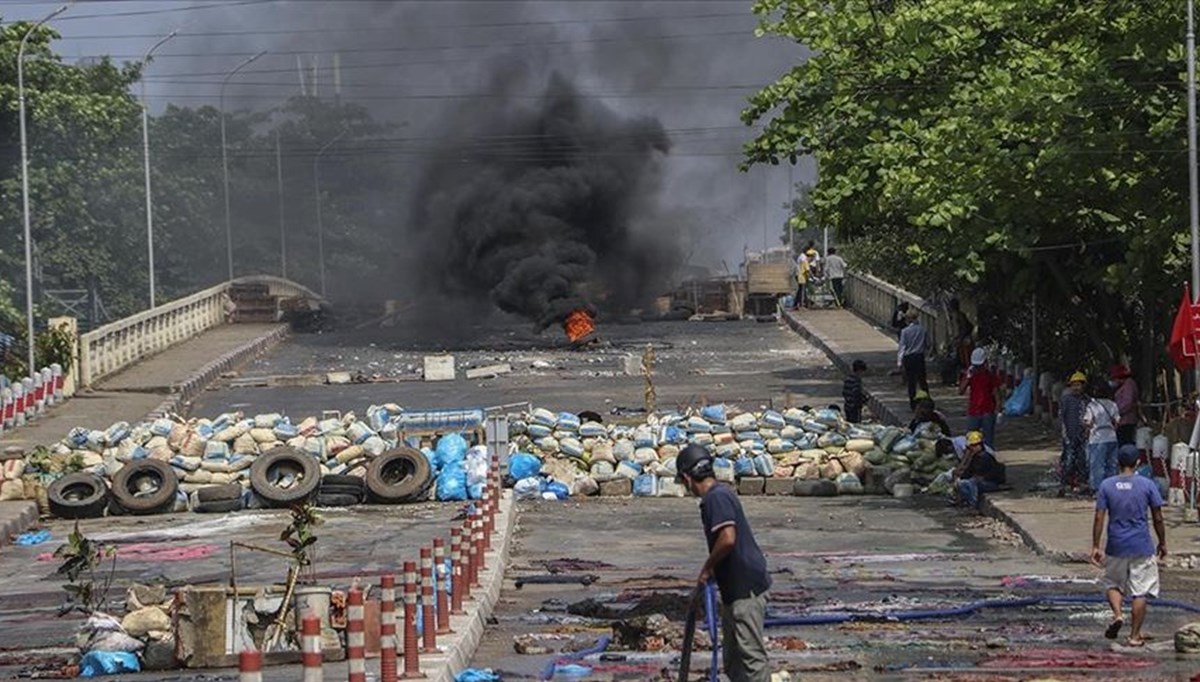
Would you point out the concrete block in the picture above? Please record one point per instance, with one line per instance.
(752, 485)
(616, 487)
(489, 372)
(631, 365)
(439, 368)
(335, 378)
(779, 486)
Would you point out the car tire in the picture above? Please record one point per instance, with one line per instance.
(78, 496)
(218, 506)
(270, 464)
(219, 493)
(131, 476)
(339, 480)
(397, 476)
(337, 500)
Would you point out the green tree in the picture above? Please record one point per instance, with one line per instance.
(1002, 148)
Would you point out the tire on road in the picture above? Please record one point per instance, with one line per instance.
(335, 485)
(145, 486)
(397, 476)
(219, 493)
(325, 499)
(218, 506)
(283, 461)
(78, 496)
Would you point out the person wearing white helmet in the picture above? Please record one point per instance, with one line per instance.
(737, 564)
(982, 386)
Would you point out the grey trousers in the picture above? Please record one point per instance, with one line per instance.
(742, 637)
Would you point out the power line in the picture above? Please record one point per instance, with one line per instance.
(146, 12)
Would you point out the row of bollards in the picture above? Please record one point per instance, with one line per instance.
(26, 399)
(423, 589)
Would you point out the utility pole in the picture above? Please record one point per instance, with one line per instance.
(282, 227)
(225, 161)
(317, 197)
(1193, 182)
(29, 331)
(146, 162)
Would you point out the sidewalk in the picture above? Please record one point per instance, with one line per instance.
(163, 380)
(1049, 525)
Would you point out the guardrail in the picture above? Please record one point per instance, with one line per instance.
(117, 345)
(875, 300)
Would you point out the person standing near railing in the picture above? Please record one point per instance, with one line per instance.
(835, 270)
(910, 357)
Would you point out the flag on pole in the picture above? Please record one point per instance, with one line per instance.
(1182, 346)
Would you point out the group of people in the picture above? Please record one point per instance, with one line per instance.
(1098, 416)
(809, 267)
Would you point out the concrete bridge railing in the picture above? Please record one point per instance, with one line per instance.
(875, 300)
(117, 345)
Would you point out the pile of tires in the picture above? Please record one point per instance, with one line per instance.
(285, 476)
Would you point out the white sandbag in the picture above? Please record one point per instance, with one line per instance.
(602, 451)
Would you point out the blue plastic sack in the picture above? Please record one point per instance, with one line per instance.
(97, 663)
(1021, 401)
(451, 447)
(559, 490)
(35, 537)
(528, 489)
(524, 465)
(452, 483)
(645, 485)
(714, 413)
(431, 457)
(743, 466)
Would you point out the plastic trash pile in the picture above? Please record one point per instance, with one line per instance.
(808, 445)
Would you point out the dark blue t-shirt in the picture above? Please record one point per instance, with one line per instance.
(744, 571)
(1126, 499)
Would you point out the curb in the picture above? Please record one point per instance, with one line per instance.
(840, 359)
(26, 514)
(987, 507)
(189, 388)
(457, 655)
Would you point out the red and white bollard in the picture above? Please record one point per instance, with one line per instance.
(1175, 479)
(356, 649)
(47, 386)
(480, 559)
(250, 666)
(472, 557)
(412, 661)
(56, 372)
(456, 575)
(439, 586)
(387, 628)
(18, 404)
(428, 617)
(30, 403)
(39, 393)
(6, 405)
(310, 649)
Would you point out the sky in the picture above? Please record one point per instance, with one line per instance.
(691, 64)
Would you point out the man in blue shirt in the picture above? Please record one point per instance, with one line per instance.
(737, 564)
(1129, 559)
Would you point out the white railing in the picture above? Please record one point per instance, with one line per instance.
(117, 345)
(876, 300)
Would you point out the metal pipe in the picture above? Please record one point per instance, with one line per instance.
(320, 226)
(282, 226)
(1193, 181)
(225, 160)
(29, 341)
(146, 164)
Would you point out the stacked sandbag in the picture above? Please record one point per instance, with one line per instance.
(793, 443)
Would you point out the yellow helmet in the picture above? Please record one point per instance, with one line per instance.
(974, 437)
(1077, 378)
(921, 394)
(810, 252)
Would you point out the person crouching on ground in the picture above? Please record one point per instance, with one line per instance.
(1130, 559)
(977, 472)
(737, 564)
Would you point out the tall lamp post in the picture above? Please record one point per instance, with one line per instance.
(29, 341)
(317, 190)
(146, 163)
(225, 160)
(1193, 181)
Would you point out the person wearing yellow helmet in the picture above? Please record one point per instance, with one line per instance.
(977, 472)
(1072, 464)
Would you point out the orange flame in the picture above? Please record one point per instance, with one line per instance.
(578, 326)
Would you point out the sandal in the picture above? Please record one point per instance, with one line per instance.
(1135, 642)
(1114, 628)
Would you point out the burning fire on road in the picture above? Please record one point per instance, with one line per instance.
(580, 327)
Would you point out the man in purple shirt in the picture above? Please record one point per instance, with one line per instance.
(1130, 559)
(1125, 395)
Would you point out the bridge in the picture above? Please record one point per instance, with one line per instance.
(153, 361)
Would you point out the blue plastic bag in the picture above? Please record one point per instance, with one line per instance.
(450, 448)
(97, 663)
(1021, 401)
(524, 465)
(452, 483)
(559, 490)
(645, 485)
(743, 466)
(477, 675)
(714, 413)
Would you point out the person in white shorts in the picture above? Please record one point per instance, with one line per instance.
(1130, 559)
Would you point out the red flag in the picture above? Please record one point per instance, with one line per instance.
(1182, 345)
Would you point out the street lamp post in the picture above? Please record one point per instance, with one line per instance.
(29, 341)
(320, 227)
(146, 163)
(225, 160)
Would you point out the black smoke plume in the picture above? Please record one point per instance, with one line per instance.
(544, 209)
